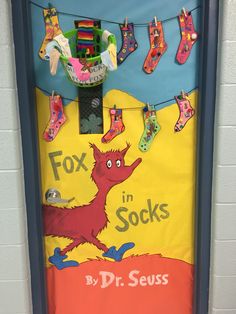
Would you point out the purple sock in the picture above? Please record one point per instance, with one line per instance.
(129, 43)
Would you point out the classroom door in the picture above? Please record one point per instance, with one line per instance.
(118, 181)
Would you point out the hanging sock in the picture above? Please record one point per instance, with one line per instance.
(52, 29)
(151, 128)
(57, 118)
(186, 112)
(188, 36)
(116, 127)
(129, 43)
(158, 46)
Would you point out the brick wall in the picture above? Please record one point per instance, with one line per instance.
(14, 264)
(223, 272)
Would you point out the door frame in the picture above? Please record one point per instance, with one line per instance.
(27, 110)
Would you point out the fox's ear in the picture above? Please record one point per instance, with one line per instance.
(96, 152)
(124, 151)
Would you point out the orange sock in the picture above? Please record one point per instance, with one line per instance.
(117, 125)
(158, 46)
(52, 29)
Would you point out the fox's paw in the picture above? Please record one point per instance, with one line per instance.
(117, 255)
(58, 260)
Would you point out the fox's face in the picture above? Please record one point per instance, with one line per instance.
(110, 168)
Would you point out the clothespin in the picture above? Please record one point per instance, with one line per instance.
(126, 21)
(50, 5)
(156, 34)
(155, 20)
(114, 107)
(184, 11)
(151, 108)
(53, 93)
(182, 93)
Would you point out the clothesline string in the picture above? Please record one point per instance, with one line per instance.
(128, 108)
(109, 21)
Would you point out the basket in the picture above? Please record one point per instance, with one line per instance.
(98, 71)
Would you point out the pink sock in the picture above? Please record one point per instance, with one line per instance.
(188, 36)
(57, 118)
(78, 68)
(186, 111)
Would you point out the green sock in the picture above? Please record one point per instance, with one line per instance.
(151, 128)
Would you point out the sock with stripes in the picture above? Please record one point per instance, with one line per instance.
(85, 43)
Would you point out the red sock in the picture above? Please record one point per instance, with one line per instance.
(57, 118)
(158, 47)
(188, 36)
(117, 125)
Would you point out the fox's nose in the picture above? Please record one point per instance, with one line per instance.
(128, 170)
(136, 163)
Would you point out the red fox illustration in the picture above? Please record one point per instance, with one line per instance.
(82, 224)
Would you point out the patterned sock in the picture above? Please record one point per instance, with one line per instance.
(52, 29)
(53, 60)
(129, 43)
(85, 43)
(117, 125)
(112, 49)
(186, 112)
(80, 70)
(151, 128)
(57, 118)
(55, 22)
(188, 36)
(63, 44)
(109, 57)
(158, 46)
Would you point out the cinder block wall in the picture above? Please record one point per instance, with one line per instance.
(223, 272)
(14, 264)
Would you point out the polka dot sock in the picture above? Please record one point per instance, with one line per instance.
(57, 118)
(151, 128)
(129, 43)
(188, 37)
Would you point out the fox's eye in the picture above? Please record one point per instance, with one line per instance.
(109, 164)
(118, 163)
